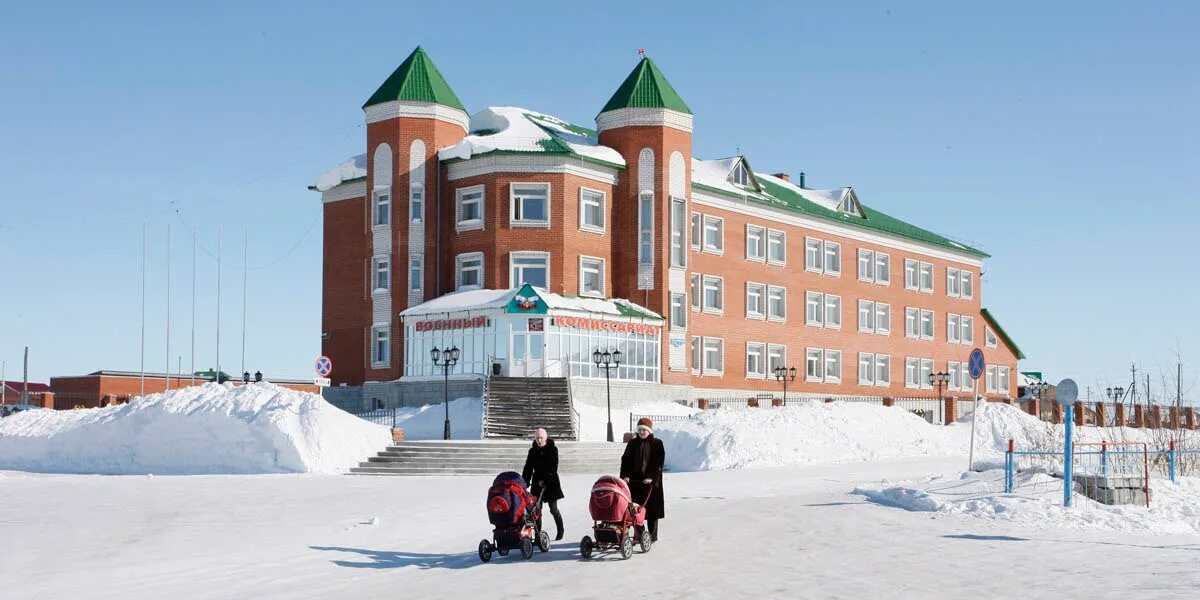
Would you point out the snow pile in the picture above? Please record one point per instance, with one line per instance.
(255, 428)
(998, 422)
(428, 422)
(1174, 507)
(811, 433)
(522, 130)
(352, 168)
(593, 420)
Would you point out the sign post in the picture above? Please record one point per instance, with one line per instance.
(1065, 394)
(323, 367)
(975, 367)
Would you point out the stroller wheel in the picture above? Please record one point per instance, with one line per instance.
(502, 551)
(627, 546)
(645, 540)
(586, 546)
(543, 541)
(485, 550)
(526, 548)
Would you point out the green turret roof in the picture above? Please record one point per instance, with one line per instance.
(416, 80)
(646, 88)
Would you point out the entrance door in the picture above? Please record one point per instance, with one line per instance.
(528, 348)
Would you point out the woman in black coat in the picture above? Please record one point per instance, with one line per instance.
(541, 472)
(642, 468)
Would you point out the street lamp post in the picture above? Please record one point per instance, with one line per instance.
(1115, 394)
(445, 359)
(785, 374)
(940, 379)
(607, 360)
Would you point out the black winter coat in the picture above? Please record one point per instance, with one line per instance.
(632, 469)
(541, 471)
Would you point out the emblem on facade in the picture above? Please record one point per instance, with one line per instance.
(527, 303)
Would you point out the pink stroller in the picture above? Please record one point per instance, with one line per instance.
(619, 523)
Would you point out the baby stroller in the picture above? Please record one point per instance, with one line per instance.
(516, 519)
(619, 523)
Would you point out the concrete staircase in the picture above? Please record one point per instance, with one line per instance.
(516, 406)
(488, 457)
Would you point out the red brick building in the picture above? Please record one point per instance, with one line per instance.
(749, 271)
(103, 388)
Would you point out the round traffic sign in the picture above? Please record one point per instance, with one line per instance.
(976, 364)
(1066, 392)
(324, 366)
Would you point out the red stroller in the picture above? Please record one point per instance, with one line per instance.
(516, 519)
(619, 522)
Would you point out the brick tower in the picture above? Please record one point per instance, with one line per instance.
(651, 126)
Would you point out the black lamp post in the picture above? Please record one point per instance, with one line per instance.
(445, 359)
(1037, 389)
(785, 375)
(607, 360)
(940, 379)
(1115, 393)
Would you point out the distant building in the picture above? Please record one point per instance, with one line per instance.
(39, 394)
(103, 388)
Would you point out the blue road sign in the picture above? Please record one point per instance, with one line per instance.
(324, 366)
(976, 364)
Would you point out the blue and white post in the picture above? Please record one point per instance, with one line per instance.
(1065, 393)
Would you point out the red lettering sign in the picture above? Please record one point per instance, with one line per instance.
(603, 325)
(480, 321)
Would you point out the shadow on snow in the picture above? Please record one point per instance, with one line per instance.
(388, 559)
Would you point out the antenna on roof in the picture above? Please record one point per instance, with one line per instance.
(641, 52)
(737, 150)
(801, 179)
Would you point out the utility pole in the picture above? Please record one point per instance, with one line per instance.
(25, 386)
(1179, 386)
(245, 279)
(193, 354)
(3, 383)
(167, 370)
(142, 361)
(217, 375)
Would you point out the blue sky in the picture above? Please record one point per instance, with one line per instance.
(1062, 138)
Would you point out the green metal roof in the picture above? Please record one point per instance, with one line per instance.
(987, 316)
(779, 196)
(646, 88)
(416, 80)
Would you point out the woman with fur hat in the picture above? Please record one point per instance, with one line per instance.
(642, 468)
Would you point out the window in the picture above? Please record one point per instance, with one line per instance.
(812, 255)
(866, 316)
(776, 247)
(866, 267)
(883, 370)
(912, 325)
(952, 279)
(883, 268)
(756, 243)
(968, 330)
(529, 267)
(714, 294)
(678, 311)
(952, 328)
(776, 303)
(382, 269)
(833, 258)
(714, 234)
(469, 208)
(926, 277)
(695, 289)
(591, 210)
(740, 176)
(966, 285)
(956, 371)
(591, 276)
(883, 318)
(926, 371)
(990, 379)
(912, 372)
(646, 228)
(989, 337)
(813, 365)
(926, 324)
(530, 204)
(696, 354)
(381, 343)
(1002, 384)
(960, 329)
(714, 355)
(695, 231)
(823, 257)
(776, 358)
(416, 202)
(833, 366)
(866, 368)
(833, 311)
(911, 280)
(754, 300)
(468, 270)
(416, 270)
(755, 360)
(383, 206)
(678, 231)
(812, 308)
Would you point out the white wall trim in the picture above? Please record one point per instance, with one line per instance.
(508, 163)
(345, 191)
(810, 223)
(660, 117)
(418, 110)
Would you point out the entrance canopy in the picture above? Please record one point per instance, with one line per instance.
(529, 332)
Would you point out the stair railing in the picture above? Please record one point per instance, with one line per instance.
(574, 412)
(483, 414)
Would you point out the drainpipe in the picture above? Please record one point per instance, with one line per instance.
(437, 254)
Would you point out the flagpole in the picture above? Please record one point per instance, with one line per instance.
(167, 370)
(142, 360)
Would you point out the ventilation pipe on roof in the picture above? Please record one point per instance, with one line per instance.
(801, 179)
(783, 176)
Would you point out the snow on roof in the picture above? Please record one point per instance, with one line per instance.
(354, 167)
(831, 199)
(476, 300)
(513, 129)
(715, 173)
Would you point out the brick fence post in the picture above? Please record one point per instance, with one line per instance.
(1190, 417)
(1007, 401)
(1101, 414)
(1156, 420)
(828, 400)
(1139, 415)
(776, 402)
(397, 435)
(1056, 413)
(951, 410)
(1120, 416)
(889, 401)
(752, 402)
(1035, 408)
(1080, 413)
(702, 403)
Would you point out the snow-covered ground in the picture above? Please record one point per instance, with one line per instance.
(256, 428)
(795, 532)
(428, 422)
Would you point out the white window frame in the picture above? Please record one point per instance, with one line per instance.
(645, 239)
(926, 371)
(1003, 384)
(758, 349)
(515, 281)
(774, 350)
(989, 381)
(832, 258)
(761, 289)
(955, 370)
(912, 323)
(814, 357)
(952, 280)
(866, 308)
(834, 358)
(416, 202)
(866, 368)
(381, 359)
(989, 337)
(740, 175)
(927, 316)
(697, 291)
(697, 354)
(866, 265)
(585, 201)
(952, 328)
(912, 274)
(458, 270)
(883, 268)
(883, 318)
(461, 224)
(912, 373)
(679, 303)
(720, 350)
(776, 237)
(833, 305)
(814, 255)
(782, 291)
(697, 231)
(756, 252)
(883, 365)
(381, 263)
(966, 285)
(720, 287)
(381, 197)
(514, 201)
(677, 219)
(815, 318)
(416, 272)
(588, 263)
(926, 273)
(717, 224)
